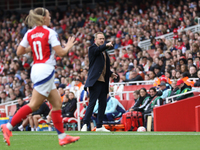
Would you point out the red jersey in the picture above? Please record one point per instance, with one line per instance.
(42, 40)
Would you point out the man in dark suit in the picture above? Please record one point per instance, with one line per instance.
(98, 80)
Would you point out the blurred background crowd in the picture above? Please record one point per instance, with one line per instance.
(126, 24)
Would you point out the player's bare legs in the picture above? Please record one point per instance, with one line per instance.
(36, 100)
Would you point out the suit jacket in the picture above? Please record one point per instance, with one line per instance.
(96, 65)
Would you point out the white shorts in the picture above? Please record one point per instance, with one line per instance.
(42, 75)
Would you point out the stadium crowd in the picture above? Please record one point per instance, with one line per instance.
(125, 25)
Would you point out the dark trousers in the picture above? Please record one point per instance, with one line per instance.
(97, 91)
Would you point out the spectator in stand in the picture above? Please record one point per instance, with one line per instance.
(127, 40)
(133, 76)
(12, 96)
(114, 109)
(20, 103)
(155, 101)
(136, 95)
(61, 91)
(144, 63)
(185, 78)
(4, 97)
(142, 102)
(151, 74)
(190, 62)
(178, 74)
(167, 81)
(193, 71)
(157, 70)
(57, 82)
(117, 43)
(165, 91)
(181, 46)
(18, 93)
(184, 68)
(183, 88)
(42, 112)
(69, 105)
(197, 83)
(153, 41)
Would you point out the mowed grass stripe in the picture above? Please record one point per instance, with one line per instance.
(105, 141)
(111, 133)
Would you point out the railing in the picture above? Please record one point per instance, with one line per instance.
(19, 5)
(134, 82)
(121, 94)
(148, 82)
(146, 44)
(172, 97)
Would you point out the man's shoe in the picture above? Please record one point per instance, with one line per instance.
(103, 129)
(68, 139)
(84, 128)
(6, 134)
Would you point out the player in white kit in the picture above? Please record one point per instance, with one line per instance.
(43, 42)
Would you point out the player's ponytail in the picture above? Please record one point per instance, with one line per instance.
(36, 17)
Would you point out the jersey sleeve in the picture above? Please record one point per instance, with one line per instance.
(53, 38)
(24, 41)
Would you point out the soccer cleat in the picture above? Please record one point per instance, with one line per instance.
(68, 139)
(6, 134)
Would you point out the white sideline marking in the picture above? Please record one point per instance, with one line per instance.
(112, 133)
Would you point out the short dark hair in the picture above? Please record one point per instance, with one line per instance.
(153, 88)
(20, 98)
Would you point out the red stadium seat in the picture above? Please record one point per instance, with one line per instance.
(11, 110)
(124, 103)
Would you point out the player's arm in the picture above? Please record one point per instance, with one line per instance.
(23, 50)
(24, 46)
(63, 51)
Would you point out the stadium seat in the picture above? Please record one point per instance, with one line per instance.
(124, 103)
(2, 114)
(11, 109)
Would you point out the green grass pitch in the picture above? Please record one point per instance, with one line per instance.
(105, 141)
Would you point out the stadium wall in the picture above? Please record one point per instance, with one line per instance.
(178, 116)
(197, 117)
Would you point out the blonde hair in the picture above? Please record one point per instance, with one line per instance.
(36, 17)
(97, 34)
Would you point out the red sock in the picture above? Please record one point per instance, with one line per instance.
(20, 115)
(57, 121)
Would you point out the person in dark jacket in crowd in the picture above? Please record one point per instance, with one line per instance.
(155, 100)
(69, 105)
(136, 95)
(42, 112)
(20, 103)
(197, 83)
(142, 102)
(183, 88)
